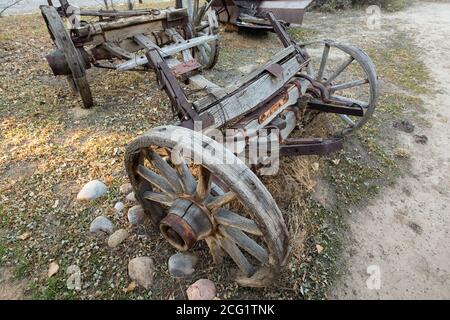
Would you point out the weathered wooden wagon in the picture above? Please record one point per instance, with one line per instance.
(117, 37)
(253, 13)
(194, 187)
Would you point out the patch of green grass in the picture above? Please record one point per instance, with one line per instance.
(3, 251)
(52, 289)
(394, 104)
(302, 34)
(400, 63)
(23, 269)
(321, 268)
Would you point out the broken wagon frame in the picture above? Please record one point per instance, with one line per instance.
(226, 205)
(252, 14)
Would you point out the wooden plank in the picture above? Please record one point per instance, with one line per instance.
(246, 98)
(167, 51)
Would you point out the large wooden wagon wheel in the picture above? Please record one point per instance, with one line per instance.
(239, 219)
(77, 79)
(347, 75)
(205, 23)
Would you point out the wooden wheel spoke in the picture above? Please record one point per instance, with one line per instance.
(310, 70)
(215, 249)
(188, 181)
(204, 183)
(231, 219)
(203, 54)
(238, 257)
(166, 170)
(340, 70)
(349, 85)
(323, 62)
(245, 242)
(158, 197)
(155, 179)
(207, 48)
(220, 201)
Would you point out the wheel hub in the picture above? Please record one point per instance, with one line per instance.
(186, 223)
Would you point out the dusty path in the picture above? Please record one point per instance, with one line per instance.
(405, 232)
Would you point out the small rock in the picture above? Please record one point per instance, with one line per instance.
(319, 248)
(117, 238)
(126, 188)
(202, 289)
(247, 68)
(131, 197)
(119, 207)
(422, 139)
(136, 215)
(24, 236)
(92, 190)
(141, 271)
(404, 125)
(102, 224)
(182, 265)
(53, 268)
(401, 153)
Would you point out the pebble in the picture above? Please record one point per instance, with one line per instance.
(131, 197)
(182, 265)
(92, 190)
(117, 238)
(136, 215)
(140, 270)
(202, 289)
(102, 224)
(126, 188)
(119, 207)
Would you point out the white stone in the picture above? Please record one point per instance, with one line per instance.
(131, 197)
(202, 289)
(126, 188)
(136, 215)
(182, 264)
(140, 270)
(119, 207)
(101, 224)
(117, 238)
(92, 190)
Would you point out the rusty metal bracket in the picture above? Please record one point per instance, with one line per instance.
(167, 79)
(354, 110)
(303, 147)
(275, 70)
(286, 39)
(170, 83)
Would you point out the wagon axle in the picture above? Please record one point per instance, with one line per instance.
(186, 223)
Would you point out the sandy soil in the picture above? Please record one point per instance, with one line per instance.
(404, 234)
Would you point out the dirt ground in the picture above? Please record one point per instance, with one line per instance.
(381, 201)
(405, 231)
